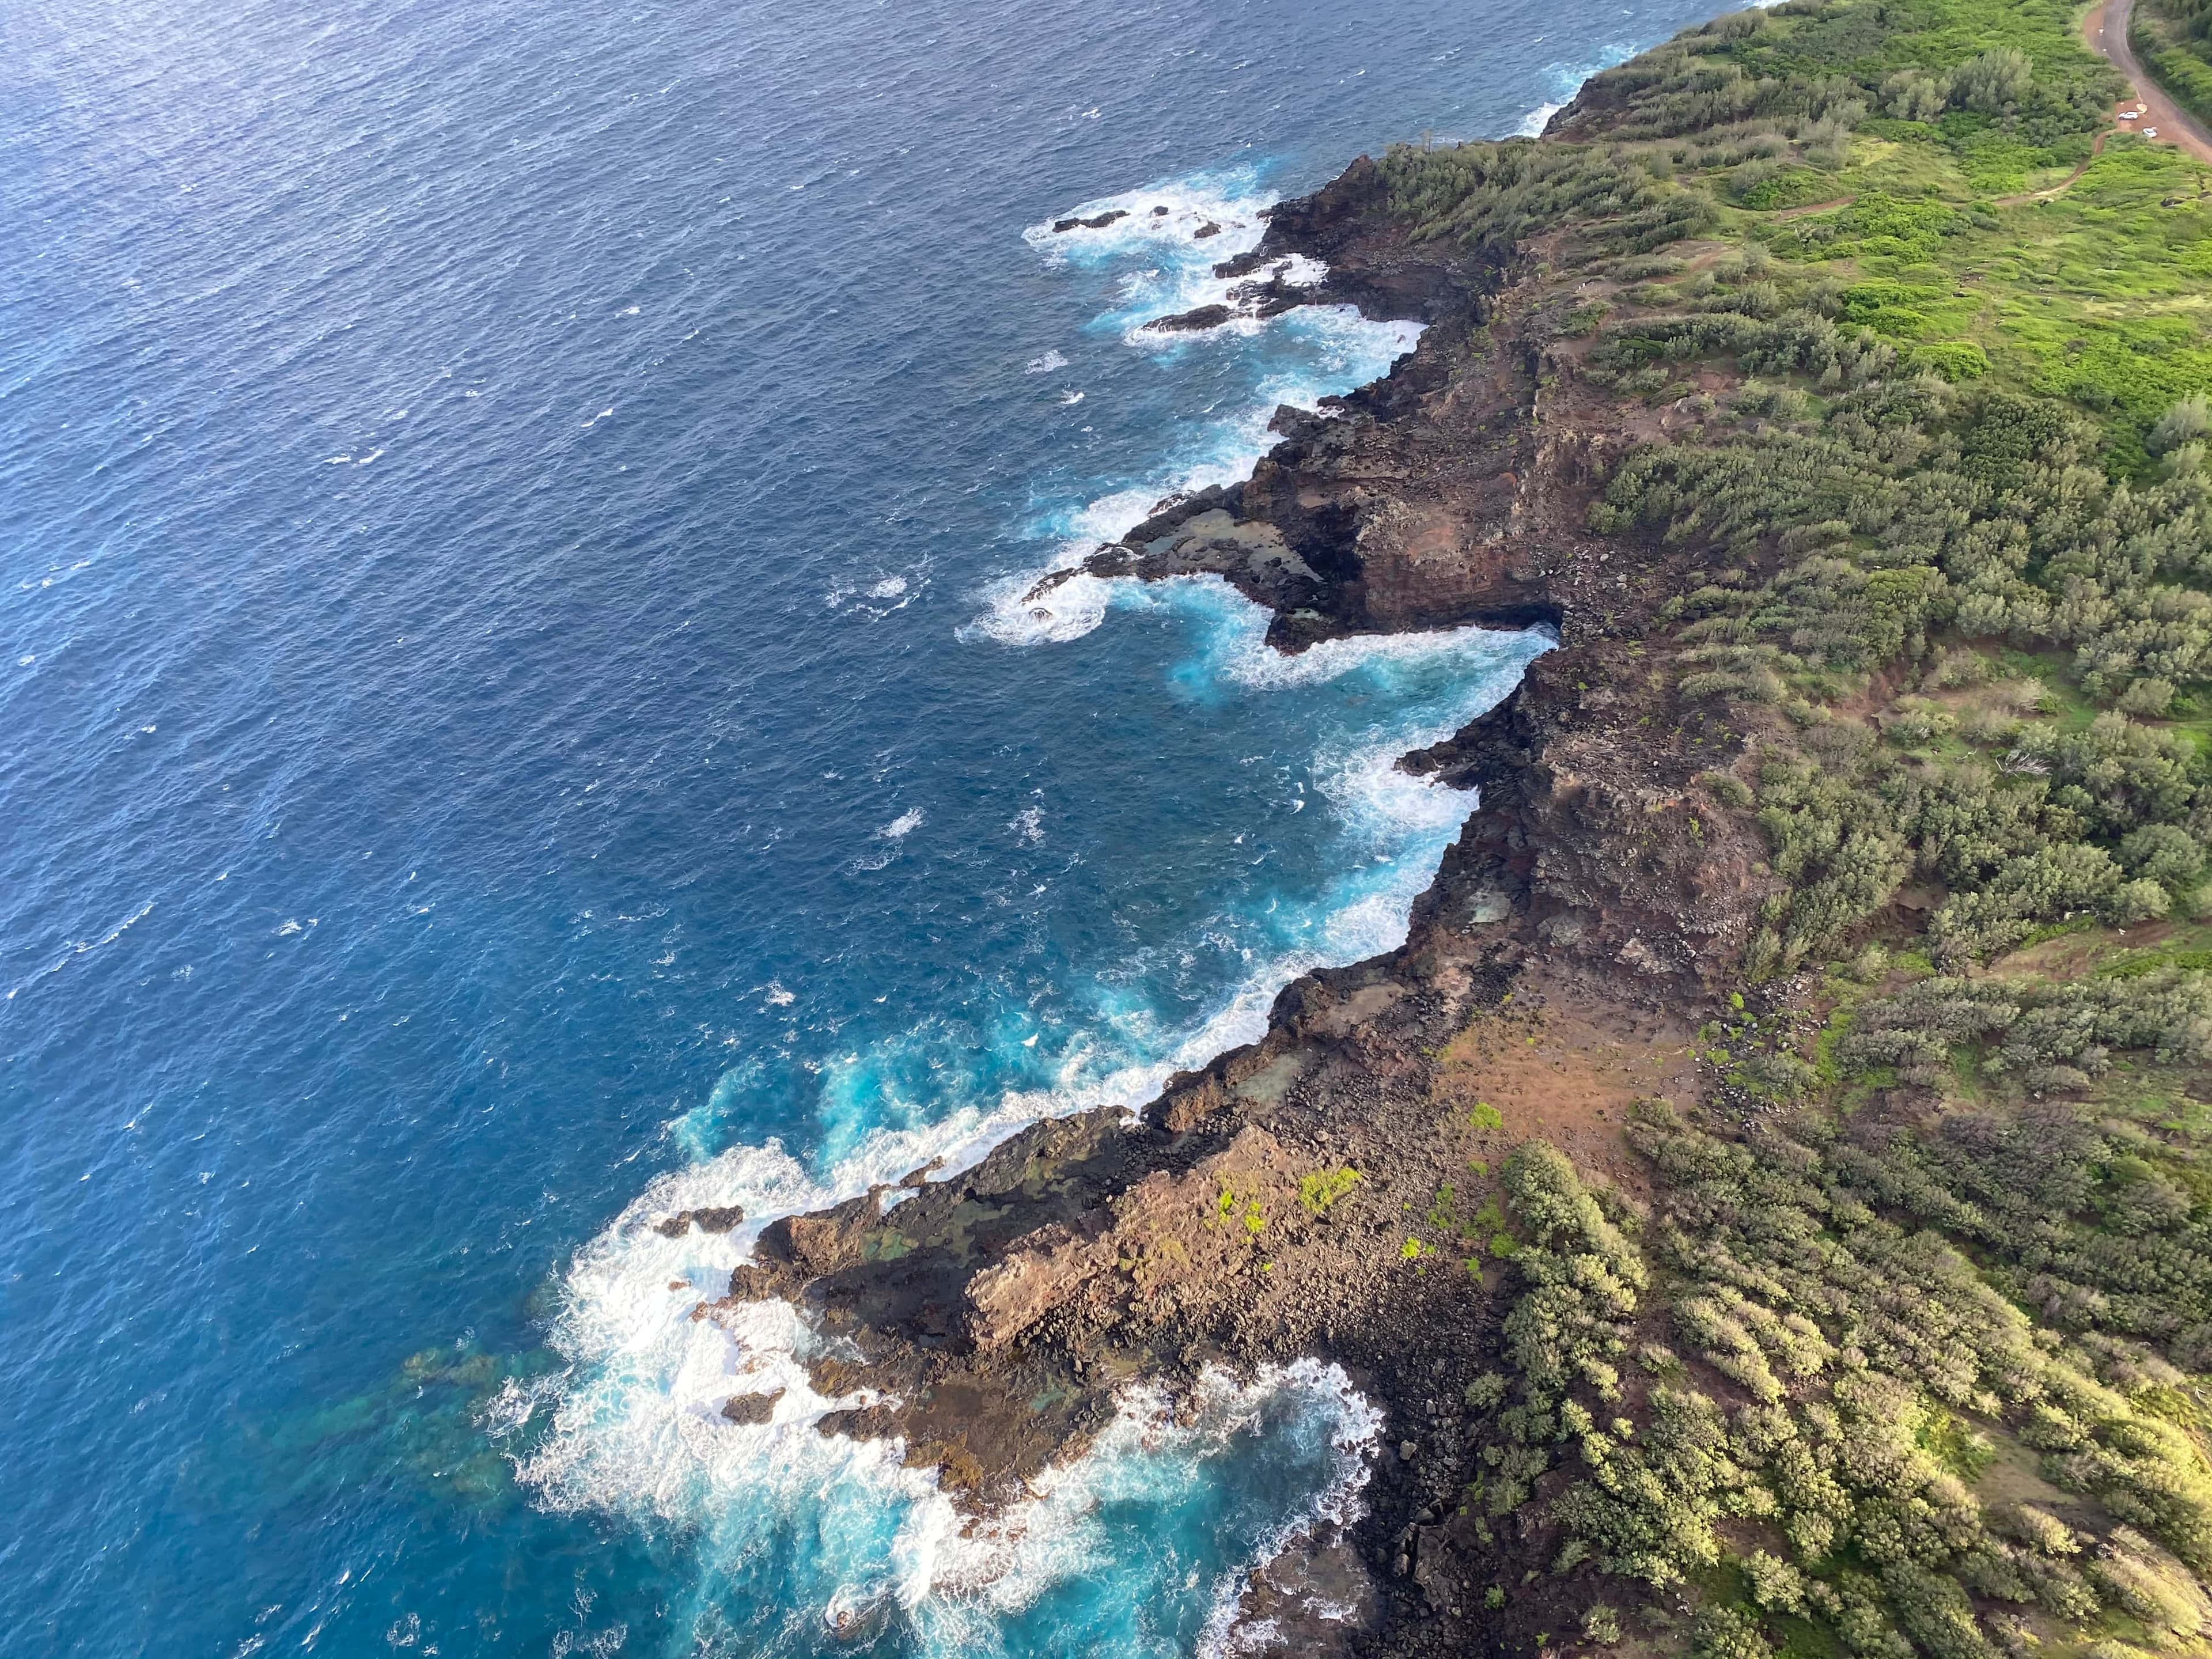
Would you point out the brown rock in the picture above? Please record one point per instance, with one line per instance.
(751, 1408)
(1062, 226)
(719, 1220)
(1192, 322)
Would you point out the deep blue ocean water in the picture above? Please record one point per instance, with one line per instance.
(514, 719)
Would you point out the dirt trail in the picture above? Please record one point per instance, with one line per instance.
(1810, 208)
(2063, 185)
(2105, 29)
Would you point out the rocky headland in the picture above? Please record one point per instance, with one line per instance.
(1681, 1190)
(1001, 1309)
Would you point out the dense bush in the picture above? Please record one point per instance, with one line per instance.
(1956, 597)
(1831, 1349)
(2174, 39)
(1905, 509)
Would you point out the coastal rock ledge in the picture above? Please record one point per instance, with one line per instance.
(1255, 1212)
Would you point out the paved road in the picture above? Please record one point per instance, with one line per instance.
(2106, 31)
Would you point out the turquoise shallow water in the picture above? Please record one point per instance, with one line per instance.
(511, 718)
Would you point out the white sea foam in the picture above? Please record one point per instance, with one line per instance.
(1230, 202)
(878, 597)
(1167, 268)
(637, 1429)
(1339, 350)
(635, 1426)
(1166, 244)
(644, 1437)
(1533, 123)
(1566, 80)
(1156, 1448)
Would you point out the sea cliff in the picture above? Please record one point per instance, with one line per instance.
(1828, 381)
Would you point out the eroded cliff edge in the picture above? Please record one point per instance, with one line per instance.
(1769, 1194)
(1592, 906)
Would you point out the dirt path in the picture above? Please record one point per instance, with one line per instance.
(1814, 207)
(2063, 185)
(2105, 29)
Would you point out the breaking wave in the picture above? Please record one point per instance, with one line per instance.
(1147, 1538)
(1566, 80)
(637, 1428)
(801, 1534)
(1160, 266)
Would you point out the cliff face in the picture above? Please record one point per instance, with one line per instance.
(1574, 934)
(1456, 491)
(1961, 634)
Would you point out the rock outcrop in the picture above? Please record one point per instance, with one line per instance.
(1262, 1210)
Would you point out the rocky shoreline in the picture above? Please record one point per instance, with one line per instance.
(1575, 934)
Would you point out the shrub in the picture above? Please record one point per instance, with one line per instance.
(1724, 1633)
(1319, 1191)
(1990, 84)
(2186, 423)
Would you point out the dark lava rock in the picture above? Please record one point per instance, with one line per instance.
(1099, 223)
(751, 1408)
(1209, 228)
(994, 1316)
(1191, 322)
(716, 1220)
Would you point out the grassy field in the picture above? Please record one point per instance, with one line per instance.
(2100, 292)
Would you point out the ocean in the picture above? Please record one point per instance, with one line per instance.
(516, 715)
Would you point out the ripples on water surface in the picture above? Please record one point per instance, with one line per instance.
(512, 716)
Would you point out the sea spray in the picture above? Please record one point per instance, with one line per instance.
(1148, 1535)
(1163, 268)
(637, 1426)
(1337, 348)
(1093, 1529)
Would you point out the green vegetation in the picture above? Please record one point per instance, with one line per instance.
(1319, 1191)
(2173, 40)
(1842, 1376)
(1229, 1209)
(1904, 1353)
(1938, 429)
